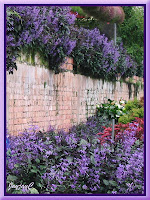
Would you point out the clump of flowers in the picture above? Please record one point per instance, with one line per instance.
(39, 29)
(50, 32)
(111, 109)
(94, 55)
(74, 162)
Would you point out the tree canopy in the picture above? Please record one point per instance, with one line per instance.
(131, 32)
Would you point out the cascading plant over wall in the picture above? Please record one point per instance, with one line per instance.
(94, 55)
(50, 31)
(39, 29)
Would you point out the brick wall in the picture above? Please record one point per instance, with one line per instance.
(37, 96)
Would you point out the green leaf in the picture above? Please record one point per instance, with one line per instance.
(83, 142)
(106, 182)
(34, 167)
(34, 170)
(92, 159)
(137, 142)
(114, 183)
(17, 192)
(8, 152)
(39, 185)
(69, 158)
(37, 160)
(29, 166)
(42, 166)
(11, 178)
(33, 191)
(94, 141)
(16, 165)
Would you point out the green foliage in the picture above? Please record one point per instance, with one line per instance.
(19, 188)
(132, 104)
(73, 164)
(138, 112)
(125, 119)
(135, 109)
(13, 19)
(132, 33)
(92, 52)
(111, 109)
(89, 23)
(78, 9)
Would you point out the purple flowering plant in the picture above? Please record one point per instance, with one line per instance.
(39, 29)
(94, 55)
(50, 31)
(74, 162)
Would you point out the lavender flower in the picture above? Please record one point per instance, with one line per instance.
(66, 163)
(38, 25)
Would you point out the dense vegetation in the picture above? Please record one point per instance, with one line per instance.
(43, 30)
(131, 32)
(134, 109)
(51, 32)
(82, 161)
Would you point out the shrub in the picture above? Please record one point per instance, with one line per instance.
(93, 125)
(49, 31)
(97, 57)
(135, 109)
(131, 33)
(111, 109)
(65, 163)
(31, 150)
(126, 119)
(132, 104)
(138, 112)
(12, 47)
(39, 29)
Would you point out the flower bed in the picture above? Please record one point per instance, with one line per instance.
(75, 162)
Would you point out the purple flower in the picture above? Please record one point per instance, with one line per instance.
(76, 169)
(114, 192)
(48, 25)
(53, 188)
(84, 187)
(72, 186)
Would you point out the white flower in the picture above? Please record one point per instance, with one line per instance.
(119, 106)
(97, 106)
(122, 102)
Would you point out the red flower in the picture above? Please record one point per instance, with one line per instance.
(137, 126)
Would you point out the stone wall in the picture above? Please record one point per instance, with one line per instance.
(37, 96)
